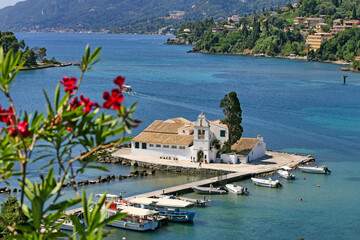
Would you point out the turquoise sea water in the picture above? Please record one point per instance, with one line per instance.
(296, 106)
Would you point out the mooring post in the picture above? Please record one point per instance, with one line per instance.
(344, 76)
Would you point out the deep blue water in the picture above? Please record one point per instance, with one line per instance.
(296, 106)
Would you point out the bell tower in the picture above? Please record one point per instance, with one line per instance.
(202, 138)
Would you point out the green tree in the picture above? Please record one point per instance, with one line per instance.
(29, 58)
(356, 64)
(40, 53)
(10, 214)
(354, 16)
(232, 117)
(9, 42)
(325, 28)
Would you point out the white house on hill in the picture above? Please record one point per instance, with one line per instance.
(181, 139)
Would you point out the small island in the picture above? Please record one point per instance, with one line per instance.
(32, 58)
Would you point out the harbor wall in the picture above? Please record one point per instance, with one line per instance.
(159, 167)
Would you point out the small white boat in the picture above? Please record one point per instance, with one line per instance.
(266, 182)
(316, 169)
(236, 189)
(127, 89)
(286, 174)
(209, 190)
(68, 224)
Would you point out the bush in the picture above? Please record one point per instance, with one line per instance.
(10, 214)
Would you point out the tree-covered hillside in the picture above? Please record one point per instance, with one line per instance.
(203, 9)
(121, 16)
(84, 14)
(274, 32)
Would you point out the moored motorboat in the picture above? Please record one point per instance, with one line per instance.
(266, 182)
(236, 189)
(173, 209)
(286, 174)
(137, 219)
(68, 224)
(209, 190)
(316, 169)
(115, 199)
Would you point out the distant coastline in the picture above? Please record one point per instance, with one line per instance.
(173, 41)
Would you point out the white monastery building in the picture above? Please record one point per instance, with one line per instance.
(181, 139)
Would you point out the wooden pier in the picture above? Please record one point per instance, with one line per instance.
(187, 187)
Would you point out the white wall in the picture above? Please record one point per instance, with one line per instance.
(201, 144)
(157, 152)
(232, 158)
(258, 151)
(215, 129)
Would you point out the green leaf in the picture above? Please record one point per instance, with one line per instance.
(57, 96)
(77, 226)
(48, 101)
(110, 219)
(65, 204)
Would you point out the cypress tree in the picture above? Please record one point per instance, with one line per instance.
(354, 13)
(232, 116)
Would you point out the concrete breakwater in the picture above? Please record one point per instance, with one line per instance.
(159, 167)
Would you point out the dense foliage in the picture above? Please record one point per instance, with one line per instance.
(266, 33)
(10, 214)
(266, 37)
(197, 30)
(232, 117)
(334, 8)
(345, 45)
(29, 56)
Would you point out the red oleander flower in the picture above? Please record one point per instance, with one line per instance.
(88, 104)
(119, 80)
(6, 116)
(75, 104)
(22, 128)
(114, 100)
(69, 84)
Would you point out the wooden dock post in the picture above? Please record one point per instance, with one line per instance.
(345, 76)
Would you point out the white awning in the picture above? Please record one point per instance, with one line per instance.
(137, 211)
(160, 202)
(107, 195)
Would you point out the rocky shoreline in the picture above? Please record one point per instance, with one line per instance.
(296, 57)
(99, 179)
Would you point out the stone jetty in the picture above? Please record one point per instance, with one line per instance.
(99, 179)
(267, 165)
